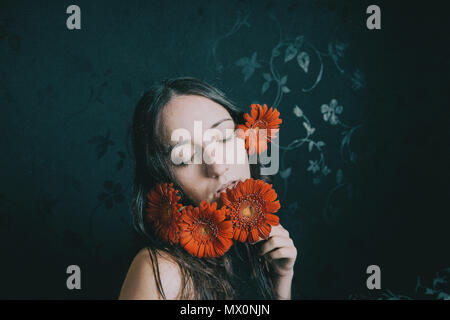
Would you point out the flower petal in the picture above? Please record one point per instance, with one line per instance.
(272, 219)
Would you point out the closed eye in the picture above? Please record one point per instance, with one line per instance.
(228, 138)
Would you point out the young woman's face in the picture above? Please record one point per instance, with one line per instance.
(205, 180)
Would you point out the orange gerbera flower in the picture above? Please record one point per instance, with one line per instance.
(251, 207)
(260, 127)
(204, 230)
(163, 210)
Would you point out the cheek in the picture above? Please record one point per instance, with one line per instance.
(185, 176)
(241, 168)
(241, 171)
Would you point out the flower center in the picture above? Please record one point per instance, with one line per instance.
(169, 212)
(203, 230)
(248, 211)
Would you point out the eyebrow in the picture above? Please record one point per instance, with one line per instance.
(186, 141)
(220, 121)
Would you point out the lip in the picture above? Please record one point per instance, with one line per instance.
(226, 186)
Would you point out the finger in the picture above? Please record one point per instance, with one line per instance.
(275, 231)
(274, 243)
(283, 253)
(279, 230)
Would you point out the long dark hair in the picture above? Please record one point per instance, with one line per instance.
(204, 278)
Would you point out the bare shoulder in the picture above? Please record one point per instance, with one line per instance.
(140, 283)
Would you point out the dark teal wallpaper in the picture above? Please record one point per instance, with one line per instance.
(364, 142)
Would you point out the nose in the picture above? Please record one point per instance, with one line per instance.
(215, 168)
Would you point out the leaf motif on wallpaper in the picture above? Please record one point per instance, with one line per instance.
(346, 139)
(326, 171)
(275, 52)
(265, 87)
(438, 280)
(241, 20)
(443, 296)
(102, 143)
(336, 51)
(358, 80)
(298, 42)
(438, 285)
(320, 144)
(303, 61)
(297, 111)
(112, 194)
(309, 129)
(290, 53)
(339, 176)
(285, 173)
(267, 76)
(283, 82)
(266, 84)
(122, 157)
(340, 47)
(345, 142)
(248, 65)
(285, 89)
(389, 295)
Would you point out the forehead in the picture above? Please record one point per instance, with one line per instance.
(182, 111)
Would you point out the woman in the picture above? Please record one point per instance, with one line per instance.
(162, 271)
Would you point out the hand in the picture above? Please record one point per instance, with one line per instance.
(280, 252)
